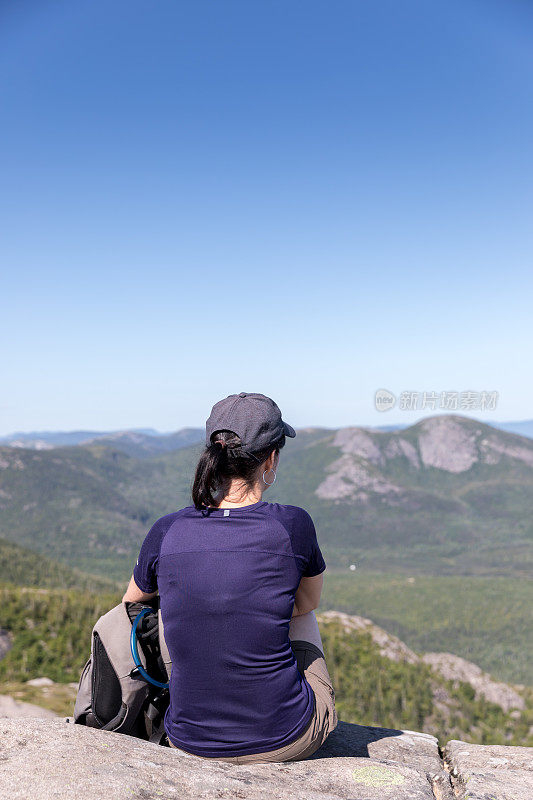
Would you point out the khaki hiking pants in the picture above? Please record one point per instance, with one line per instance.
(312, 664)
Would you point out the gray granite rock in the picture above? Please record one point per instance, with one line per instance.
(9, 707)
(5, 642)
(490, 772)
(40, 682)
(48, 759)
(455, 668)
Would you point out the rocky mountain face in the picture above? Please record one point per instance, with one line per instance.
(448, 443)
(455, 668)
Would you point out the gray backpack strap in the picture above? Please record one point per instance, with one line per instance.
(84, 697)
(165, 655)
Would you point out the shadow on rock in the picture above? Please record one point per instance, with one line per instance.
(352, 740)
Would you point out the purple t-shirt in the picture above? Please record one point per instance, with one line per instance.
(227, 580)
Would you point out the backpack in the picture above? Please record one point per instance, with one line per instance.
(123, 687)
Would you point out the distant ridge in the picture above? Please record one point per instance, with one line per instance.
(64, 438)
(137, 441)
(47, 440)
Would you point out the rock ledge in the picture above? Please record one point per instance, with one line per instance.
(51, 759)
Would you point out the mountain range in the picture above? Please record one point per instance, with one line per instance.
(446, 495)
(435, 516)
(148, 441)
(138, 442)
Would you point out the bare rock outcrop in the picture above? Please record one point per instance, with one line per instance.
(447, 442)
(15, 709)
(347, 475)
(52, 759)
(489, 772)
(5, 643)
(455, 668)
(358, 442)
(389, 646)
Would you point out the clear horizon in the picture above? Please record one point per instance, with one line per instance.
(298, 427)
(313, 201)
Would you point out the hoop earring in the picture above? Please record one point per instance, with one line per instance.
(271, 482)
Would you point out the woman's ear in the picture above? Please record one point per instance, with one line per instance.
(272, 461)
(268, 463)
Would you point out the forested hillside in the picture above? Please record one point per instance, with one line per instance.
(24, 567)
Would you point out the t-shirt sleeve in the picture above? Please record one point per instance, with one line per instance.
(315, 560)
(145, 570)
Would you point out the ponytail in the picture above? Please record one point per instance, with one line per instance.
(223, 460)
(208, 474)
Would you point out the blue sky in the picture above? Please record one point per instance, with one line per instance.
(313, 200)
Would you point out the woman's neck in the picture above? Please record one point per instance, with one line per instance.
(236, 498)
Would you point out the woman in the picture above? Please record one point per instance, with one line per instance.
(238, 580)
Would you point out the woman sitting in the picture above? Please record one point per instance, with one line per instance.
(238, 580)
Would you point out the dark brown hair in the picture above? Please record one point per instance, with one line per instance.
(223, 460)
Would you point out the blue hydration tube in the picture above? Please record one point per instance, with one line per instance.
(135, 652)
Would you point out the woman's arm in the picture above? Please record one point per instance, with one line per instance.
(134, 594)
(307, 595)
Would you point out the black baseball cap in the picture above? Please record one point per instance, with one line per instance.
(255, 419)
